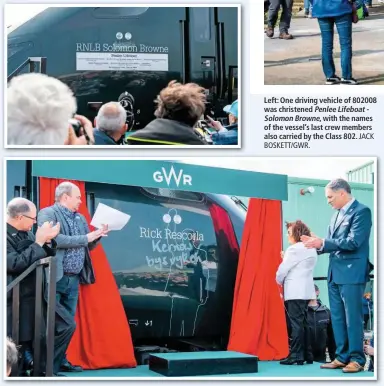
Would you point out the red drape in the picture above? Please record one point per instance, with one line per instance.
(102, 338)
(258, 319)
(222, 223)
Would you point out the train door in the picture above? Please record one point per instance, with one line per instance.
(213, 50)
(227, 21)
(202, 50)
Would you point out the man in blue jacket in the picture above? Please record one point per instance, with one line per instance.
(347, 243)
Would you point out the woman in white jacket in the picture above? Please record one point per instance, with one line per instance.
(296, 274)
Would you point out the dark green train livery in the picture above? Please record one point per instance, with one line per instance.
(175, 273)
(104, 52)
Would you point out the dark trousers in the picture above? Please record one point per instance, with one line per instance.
(300, 348)
(64, 330)
(346, 304)
(366, 320)
(67, 295)
(286, 15)
(63, 334)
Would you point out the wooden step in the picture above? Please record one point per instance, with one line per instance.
(203, 363)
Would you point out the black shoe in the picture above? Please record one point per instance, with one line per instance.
(333, 80)
(70, 368)
(291, 361)
(349, 81)
(309, 361)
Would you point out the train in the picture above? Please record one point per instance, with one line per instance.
(129, 54)
(175, 272)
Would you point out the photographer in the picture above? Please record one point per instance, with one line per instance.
(111, 124)
(227, 135)
(39, 112)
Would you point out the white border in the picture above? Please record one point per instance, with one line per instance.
(186, 159)
(240, 85)
(256, 49)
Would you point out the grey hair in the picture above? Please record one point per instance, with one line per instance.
(39, 108)
(339, 184)
(18, 206)
(63, 188)
(111, 117)
(12, 354)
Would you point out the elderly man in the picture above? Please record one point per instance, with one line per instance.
(23, 249)
(347, 243)
(111, 124)
(74, 243)
(39, 108)
(12, 356)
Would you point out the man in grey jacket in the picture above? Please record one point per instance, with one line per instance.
(74, 242)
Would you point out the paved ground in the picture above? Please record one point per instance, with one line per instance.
(299, 61)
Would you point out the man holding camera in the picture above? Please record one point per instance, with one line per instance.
(111, 124)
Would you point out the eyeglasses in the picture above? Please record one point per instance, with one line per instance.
(31, 218)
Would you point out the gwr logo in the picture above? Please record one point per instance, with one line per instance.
(160, 176)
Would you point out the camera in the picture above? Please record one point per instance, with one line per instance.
(77, 127)
(128, 102)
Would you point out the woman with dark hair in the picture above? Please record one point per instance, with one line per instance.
(340, 13)
(296, 274)
(367, 310)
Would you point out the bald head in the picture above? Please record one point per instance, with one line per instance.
(19, 206)
(21, 214)
(111, 118)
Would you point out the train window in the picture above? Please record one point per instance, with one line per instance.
(176, 194)
(166, 256)
(119, 12)
(201, 19)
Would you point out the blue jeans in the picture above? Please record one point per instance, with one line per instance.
(344, 28)
(67, 295)
(306, 6)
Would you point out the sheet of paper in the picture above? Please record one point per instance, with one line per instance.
(106, 215)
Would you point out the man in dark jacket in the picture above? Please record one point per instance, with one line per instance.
(111, 124)
(179, 107)
(74, 266)
(23, 249)
(320, 329)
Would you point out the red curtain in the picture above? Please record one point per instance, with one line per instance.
(102, 338)
(258, 324)
(222, 223)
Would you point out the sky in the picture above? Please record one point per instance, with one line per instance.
(326, 168)
(18, 13)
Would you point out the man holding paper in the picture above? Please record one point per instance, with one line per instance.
(74, 242)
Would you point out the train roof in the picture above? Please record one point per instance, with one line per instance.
(168, 175)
